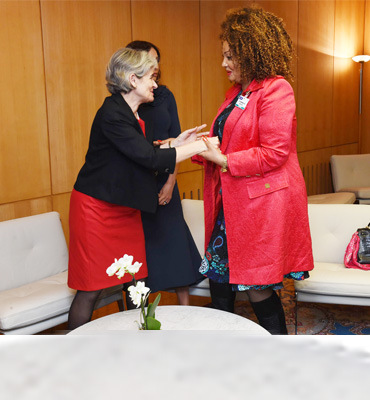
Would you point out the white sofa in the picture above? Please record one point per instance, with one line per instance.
(332, 226)
(34, 295)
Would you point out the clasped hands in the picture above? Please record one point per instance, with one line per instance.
(212, 150)
(212, 144)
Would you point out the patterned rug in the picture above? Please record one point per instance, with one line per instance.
(315, 318)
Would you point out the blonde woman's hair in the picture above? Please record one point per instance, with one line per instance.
(122, 64)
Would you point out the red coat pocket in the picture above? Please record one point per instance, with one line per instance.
(267, 184)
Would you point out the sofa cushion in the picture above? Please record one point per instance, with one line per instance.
(332, 279)
(35, 302)
(31, 248)
(332, 226)
(332, 198)
(359, 191)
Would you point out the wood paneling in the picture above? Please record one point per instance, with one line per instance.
(191, 185)
(25, 208)
(61, 204)
(349, 22)
(315, 74)
(173, 26)
(79, 38)
(24, 161)
(365, 117)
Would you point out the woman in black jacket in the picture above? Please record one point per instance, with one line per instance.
(117, 182)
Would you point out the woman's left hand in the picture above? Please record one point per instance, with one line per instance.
(165, 195)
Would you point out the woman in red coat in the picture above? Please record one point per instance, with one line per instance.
(254, 192)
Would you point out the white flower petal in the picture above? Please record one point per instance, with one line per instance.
(133, 269)
(113, 268)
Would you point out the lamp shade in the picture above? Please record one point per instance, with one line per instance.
(361, 58)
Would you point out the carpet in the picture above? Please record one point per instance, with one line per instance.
(316, 318)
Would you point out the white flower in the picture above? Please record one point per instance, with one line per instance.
(113, 268)
(120, 273)
(133, 269)
(138, 292)
(126, 261)
(123, 265)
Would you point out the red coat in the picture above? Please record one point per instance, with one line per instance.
(263, 191)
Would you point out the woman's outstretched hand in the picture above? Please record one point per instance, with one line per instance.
(189, 136)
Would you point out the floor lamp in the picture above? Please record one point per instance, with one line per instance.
(361, 59)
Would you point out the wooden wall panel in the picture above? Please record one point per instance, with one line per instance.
(79, 38)
(173, 26)
(61, 204)
(315, 74)
(365, 117)
(191, 185)
(24, 161)
(349, 41)
(25, 208)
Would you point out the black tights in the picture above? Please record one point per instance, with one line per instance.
(266, 305)
(82, 308)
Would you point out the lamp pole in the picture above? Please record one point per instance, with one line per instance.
(360, 105)
(361, 59)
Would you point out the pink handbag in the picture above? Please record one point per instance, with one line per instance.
(351, 256)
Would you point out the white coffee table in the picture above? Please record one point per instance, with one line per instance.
(174, 318)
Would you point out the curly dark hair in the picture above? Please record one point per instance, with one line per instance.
(258, 42)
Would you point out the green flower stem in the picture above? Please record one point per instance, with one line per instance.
(144, 316)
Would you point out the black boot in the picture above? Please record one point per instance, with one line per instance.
(223, 296)
(270, 314)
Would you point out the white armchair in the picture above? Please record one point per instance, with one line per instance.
(351, 173)
(34, 295)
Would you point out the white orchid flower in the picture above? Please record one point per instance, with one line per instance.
(126, 261)
(113, 268)
(120, 273)
(133, 269)
(138, 292)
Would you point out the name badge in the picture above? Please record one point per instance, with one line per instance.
(242, 102)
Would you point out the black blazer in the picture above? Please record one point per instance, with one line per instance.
(120, 164)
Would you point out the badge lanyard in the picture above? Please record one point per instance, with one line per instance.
(243, 101)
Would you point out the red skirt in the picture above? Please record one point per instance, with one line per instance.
(99, 233)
